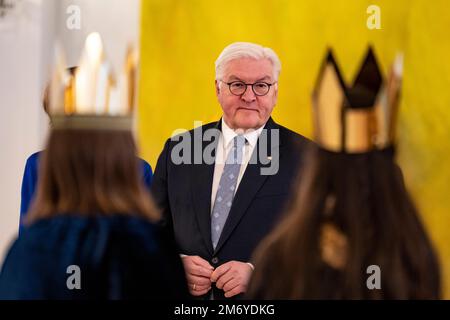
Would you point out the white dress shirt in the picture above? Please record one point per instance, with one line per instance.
(224, 146)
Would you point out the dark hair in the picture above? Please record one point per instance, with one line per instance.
(371, 207)
(90, 172)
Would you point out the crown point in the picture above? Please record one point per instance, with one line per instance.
(398, 65)
(330, 56)
(360, 117)
(94, 47)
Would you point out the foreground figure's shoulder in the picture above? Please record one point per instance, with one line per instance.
(32, 160)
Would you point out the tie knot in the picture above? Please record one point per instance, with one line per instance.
(239, 141)
(235, 155)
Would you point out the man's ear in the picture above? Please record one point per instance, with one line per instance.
(217, 88)
(275, 95)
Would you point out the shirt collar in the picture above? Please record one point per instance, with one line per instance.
(251, 135)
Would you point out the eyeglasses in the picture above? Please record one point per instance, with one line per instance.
(238, 88)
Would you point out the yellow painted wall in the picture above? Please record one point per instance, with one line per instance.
(180, 41)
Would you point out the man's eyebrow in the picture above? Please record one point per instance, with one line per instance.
(233, 77)
(264, 78)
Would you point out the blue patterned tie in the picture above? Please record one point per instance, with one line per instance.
(225, 191)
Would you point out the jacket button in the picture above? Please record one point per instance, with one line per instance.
(215, 260)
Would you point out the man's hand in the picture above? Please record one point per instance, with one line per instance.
(198, 273)
(232, 277)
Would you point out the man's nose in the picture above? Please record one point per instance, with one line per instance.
(249, 95)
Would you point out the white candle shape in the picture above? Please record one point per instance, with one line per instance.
(102, 93)
(88, 73)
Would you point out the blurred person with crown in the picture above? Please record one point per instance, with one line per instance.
(30, 175)
(93, 229)
(351, 231)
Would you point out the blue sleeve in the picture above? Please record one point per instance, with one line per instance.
(147, 172)
(20, 278)
(29, 183)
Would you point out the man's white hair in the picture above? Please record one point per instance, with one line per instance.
(239, 50)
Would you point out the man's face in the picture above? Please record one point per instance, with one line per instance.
(247, 111)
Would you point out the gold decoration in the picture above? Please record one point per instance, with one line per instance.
(333, 246)
(92, 92)
(357, 118)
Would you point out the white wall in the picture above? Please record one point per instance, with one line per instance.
(26, 51)
(22, 123)
(116, 20)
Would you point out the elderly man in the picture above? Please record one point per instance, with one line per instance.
(220, 210)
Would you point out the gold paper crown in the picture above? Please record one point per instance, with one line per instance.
(357, 118)
(91, 97)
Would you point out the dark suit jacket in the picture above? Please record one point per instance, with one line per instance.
(183, 193)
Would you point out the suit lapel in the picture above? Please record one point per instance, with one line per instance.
(250, 184)
(201, 180)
